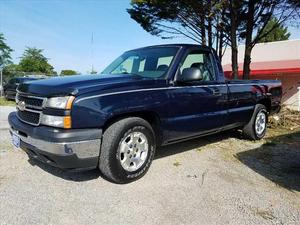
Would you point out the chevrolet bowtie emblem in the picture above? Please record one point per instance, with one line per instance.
(21, 105)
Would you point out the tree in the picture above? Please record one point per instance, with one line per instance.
(93, 72)
(5, 51)
(200, 21)
(280, 33)
(11, 70)
(215, 23)
(234, 23)
(34, 61)
(68, 72)
(258, 14)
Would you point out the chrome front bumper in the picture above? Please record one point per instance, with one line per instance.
(83, 149)
(64, 148)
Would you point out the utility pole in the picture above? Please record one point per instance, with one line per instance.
(92, 52)
(1, 82)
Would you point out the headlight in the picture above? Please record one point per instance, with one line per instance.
(60, 102)
(64, 103)
(56, 121)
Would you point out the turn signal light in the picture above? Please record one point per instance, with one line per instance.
(67, 122)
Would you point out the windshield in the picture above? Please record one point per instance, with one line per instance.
(147, 62)
(26, 79)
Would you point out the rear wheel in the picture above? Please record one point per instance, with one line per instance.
(128, 148)
(257, 126)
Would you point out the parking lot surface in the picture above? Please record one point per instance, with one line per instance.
(220, 179)
(4, 111)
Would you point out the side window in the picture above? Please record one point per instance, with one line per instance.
(201, 60)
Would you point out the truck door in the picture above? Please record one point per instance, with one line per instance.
(198, 107)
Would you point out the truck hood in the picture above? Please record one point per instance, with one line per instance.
(78, 84)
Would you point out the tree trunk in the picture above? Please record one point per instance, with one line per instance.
(217, 41)
(234, 58)
(209, 28)
(221, 35)
(202, 24)
(248, 42)
(233, 39)
(209, 33)
(221, 41)
(247, 62)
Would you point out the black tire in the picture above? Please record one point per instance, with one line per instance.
(249, 130)
(109, 163)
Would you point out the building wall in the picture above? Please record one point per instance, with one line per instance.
(271, 51)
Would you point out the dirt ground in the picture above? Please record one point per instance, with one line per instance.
(220, 179)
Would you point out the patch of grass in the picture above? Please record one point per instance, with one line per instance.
(266, 214)
(199, 149)
(4, 102)
(177, 164)
(286, 118)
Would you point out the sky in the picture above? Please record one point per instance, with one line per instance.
(64, 29)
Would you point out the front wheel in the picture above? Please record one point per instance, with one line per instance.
(128, 148)
(257, 126)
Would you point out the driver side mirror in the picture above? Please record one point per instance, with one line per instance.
(191, 74)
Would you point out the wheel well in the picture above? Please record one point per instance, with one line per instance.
(151, 117)
(266, 102)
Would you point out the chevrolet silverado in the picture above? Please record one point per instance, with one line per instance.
(146, 98)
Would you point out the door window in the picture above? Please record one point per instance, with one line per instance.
(202, 61)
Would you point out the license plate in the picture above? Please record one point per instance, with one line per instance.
(15, 140)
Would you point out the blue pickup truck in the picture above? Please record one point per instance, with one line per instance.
(146, 98)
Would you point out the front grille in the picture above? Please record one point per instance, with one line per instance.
(29, 117)
(34, 102)
(29, 108)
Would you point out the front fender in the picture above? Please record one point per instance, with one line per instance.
(95, 111)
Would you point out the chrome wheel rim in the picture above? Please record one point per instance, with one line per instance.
(260, 123)
(133, 151)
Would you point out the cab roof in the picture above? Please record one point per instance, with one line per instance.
(177, 45)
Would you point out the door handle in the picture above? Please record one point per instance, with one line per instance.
(216, 92)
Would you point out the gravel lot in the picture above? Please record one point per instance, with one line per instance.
(4, 111)
(220, 179)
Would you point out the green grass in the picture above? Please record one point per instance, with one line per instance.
(177, 164)
(4, 102)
